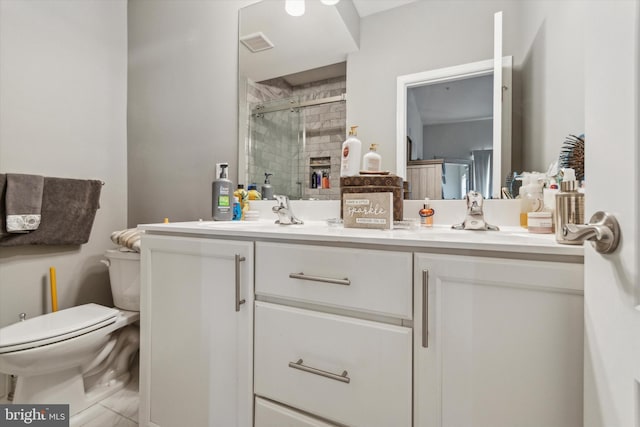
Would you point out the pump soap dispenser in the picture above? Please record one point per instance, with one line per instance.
(372, 161)
(569, 206)
(351, 148)
(222, 195)
(531, 196)
(267, 189)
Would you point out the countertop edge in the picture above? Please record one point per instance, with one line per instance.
(408, 241)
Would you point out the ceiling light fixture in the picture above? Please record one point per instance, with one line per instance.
(294, 7)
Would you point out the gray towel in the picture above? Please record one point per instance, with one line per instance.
(24, 202)
(68, 209)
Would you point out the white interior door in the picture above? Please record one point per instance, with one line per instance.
(612, 316)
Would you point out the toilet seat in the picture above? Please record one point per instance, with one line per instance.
(55, 327)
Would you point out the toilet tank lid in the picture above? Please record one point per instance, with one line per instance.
(62, 322)
(122, 253)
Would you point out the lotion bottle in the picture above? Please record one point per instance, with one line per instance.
(351, 149)
(222, 195)
(372, 161)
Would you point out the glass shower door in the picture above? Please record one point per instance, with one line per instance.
(276, 146)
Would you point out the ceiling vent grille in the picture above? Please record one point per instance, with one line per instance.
(256, 42)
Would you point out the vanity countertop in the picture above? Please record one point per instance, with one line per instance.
(510, 240)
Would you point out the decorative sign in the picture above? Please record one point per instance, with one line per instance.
(367, 210)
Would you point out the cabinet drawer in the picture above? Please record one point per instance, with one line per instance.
(350, 371)
(270, 414)
(371, 281)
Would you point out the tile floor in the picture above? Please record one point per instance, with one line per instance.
(118, 410)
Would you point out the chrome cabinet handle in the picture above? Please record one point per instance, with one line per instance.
(425, 308)
(302, 276)
(239, 301)
(342, 377)
(603, 231)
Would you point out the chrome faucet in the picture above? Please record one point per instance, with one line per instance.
(475, 215)
(284, 212)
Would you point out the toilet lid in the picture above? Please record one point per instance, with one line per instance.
(56, 326)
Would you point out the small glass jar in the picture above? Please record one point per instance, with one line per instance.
(540, 222)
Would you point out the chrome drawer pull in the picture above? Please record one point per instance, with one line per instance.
(425, 308)
(342, 377)
(239, 259)
(302, 276)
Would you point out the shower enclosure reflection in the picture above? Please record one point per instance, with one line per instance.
(274, 146)
(295, 132)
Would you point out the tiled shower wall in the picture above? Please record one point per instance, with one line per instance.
(325, 129)
(284, 150)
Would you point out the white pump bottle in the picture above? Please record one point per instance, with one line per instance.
(351, 149)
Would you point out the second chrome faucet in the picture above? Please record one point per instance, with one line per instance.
(284, 211)
(474, 220)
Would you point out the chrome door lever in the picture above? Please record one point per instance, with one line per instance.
(603, 231)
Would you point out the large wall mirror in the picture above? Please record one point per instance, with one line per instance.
(305, 79)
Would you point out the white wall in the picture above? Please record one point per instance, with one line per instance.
(551, 67)
(457, 140)
(183, 105)
(63, 113)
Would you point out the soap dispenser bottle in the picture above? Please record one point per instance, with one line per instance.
(267, 189)
(372, 161)
(351, 149)
(222, 195)
(426, 213)
(531, 196)
(569, 206)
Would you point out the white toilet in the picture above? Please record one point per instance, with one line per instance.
(75, 356)
(124, 272)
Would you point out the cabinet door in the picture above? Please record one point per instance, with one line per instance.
(196, 348)
(426, 181)
(503, 345)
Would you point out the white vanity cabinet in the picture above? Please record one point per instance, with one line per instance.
(402, 329)
(329, 335)
(196, 349)
(497, 342)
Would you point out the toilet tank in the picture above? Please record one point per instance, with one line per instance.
(124, 274)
